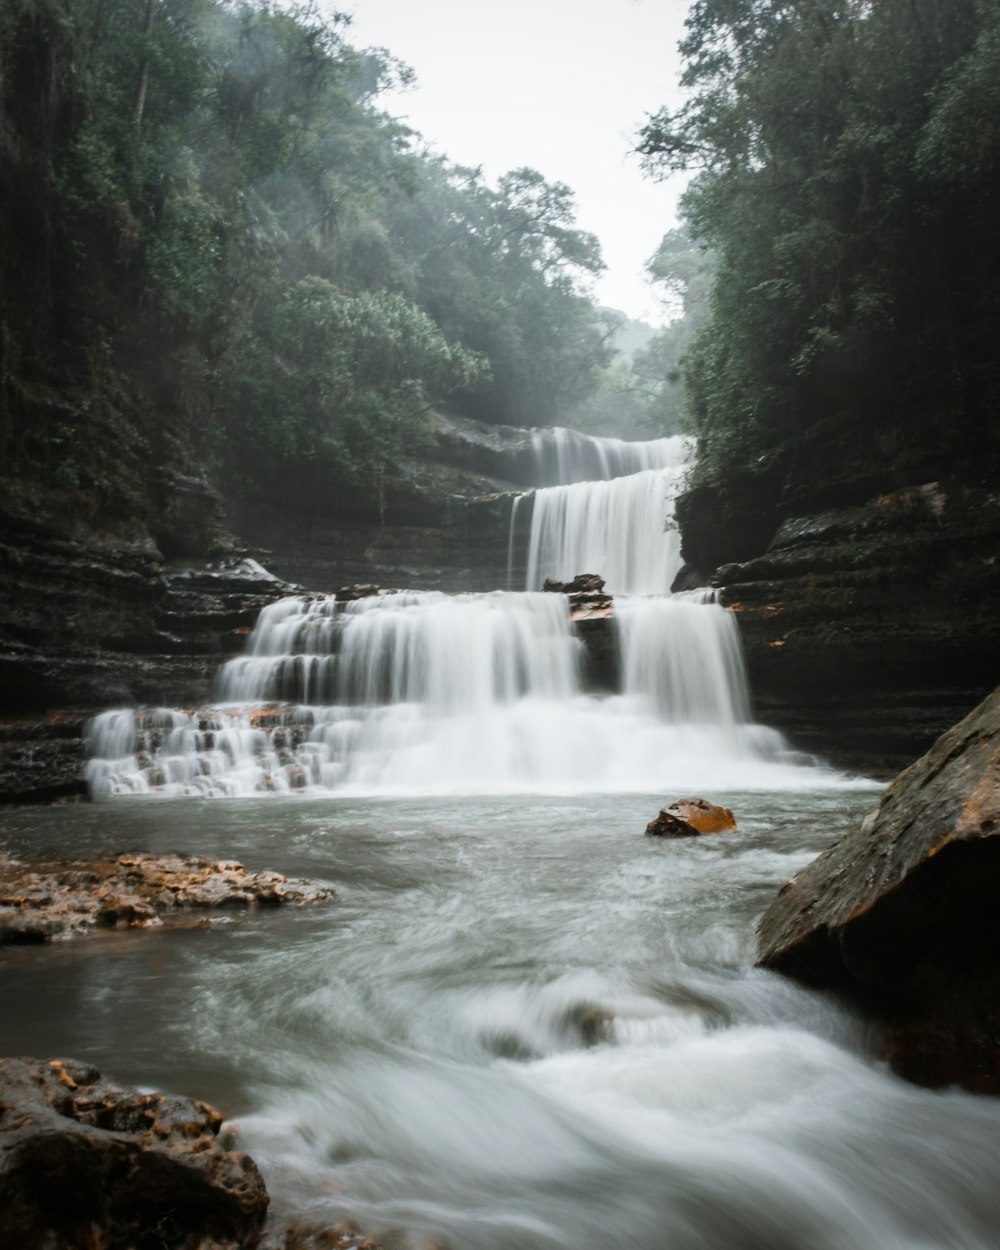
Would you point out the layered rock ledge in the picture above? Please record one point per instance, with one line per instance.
(901, 915)
(45, 900)
(870, 613)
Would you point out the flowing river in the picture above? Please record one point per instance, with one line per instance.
(520, 1024)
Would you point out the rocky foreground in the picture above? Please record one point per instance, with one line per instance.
(86, 1164)
(902, 914)
(45, 900)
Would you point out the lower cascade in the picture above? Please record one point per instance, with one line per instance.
(424, 692)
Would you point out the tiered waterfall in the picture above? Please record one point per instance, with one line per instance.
(423, 692)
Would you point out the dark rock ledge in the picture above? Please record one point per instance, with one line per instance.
(903, 914)
(49, 899)
(86, 1164)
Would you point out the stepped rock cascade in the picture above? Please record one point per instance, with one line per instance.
(619, 528)
(409, 692)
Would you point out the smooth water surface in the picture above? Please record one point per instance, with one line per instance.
(521, 1023)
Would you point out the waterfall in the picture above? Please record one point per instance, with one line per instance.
(564, 456)
(422, 692)
(620, 528)
(683, 654)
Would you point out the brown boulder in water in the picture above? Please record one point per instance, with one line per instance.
(902, 914)
(688, 818)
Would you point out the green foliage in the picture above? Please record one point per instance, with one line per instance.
(226, 184)
(846, 176)
(505, 270)
(341, 380)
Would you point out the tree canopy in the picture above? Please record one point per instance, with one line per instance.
(224, 182)
(845, 158)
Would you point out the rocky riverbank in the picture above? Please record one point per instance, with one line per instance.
(86, 1164)
(900, 915)
(43, 900)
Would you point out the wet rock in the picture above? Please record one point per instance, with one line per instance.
(588, 600)
(688, 578)
(689, 818)
(89, 1165)
(42, 901)
(41, 757)
(300, 1236)
(583, 583)
(363, 590)
(901, 914)
(870, 617)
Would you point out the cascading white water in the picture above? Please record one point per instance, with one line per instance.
(429, 693)
(410, 692)
(563, 456)
(683, 654)
(620, 528)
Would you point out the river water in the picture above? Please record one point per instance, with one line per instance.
(520, 1023)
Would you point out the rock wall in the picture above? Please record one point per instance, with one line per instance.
(869, 626)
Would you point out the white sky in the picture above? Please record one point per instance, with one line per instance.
(559, 85)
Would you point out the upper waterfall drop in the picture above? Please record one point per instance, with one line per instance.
(563, 456)
(620, 527)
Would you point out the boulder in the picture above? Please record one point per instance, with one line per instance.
(689, 818)
(582, 584)
(902, 914)
(88, 1164)
(588, 600)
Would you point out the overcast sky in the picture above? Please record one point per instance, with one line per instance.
(560, 85)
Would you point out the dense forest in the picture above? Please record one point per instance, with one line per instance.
(847, 170)
(203, 201)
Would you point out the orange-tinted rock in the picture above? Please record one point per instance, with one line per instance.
(85, 1163)
(55, 899)
(902, 915)
(688, 818)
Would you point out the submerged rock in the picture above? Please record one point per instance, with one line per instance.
(688, 818)
(902, 916)
(40, 901)
(342, 1236)
(89, 1165)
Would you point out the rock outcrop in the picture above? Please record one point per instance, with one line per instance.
(870, 617)
(87, 1164)
(901, 915)
(44, 900)
(99, 624)
(689, 818)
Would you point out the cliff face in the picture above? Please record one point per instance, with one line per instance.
(867, 593)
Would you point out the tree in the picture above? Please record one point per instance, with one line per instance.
(810, 129)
